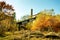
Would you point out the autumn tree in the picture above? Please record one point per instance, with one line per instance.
(6, 20)
(45, 19)
(3, 5)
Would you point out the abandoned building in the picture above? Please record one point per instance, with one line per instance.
(22, 24)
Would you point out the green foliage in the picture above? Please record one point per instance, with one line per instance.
(14, 15)
(7, 23)
(29, 25)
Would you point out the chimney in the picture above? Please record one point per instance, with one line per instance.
(31, 13)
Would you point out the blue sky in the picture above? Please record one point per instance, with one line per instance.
(22, 7)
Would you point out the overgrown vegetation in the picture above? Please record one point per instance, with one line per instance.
(46, 19)
(46, 22)
(7, 22)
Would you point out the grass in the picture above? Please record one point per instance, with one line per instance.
(22, 35)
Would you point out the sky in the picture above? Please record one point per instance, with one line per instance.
(23, 7)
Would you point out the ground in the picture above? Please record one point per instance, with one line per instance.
(26, 35)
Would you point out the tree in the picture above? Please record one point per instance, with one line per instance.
(14, 15)
(41, 18)
(7, 6)
(7, 21)
(46, 19)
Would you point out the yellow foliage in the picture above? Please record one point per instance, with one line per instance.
(7, 22)
(45, 19)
